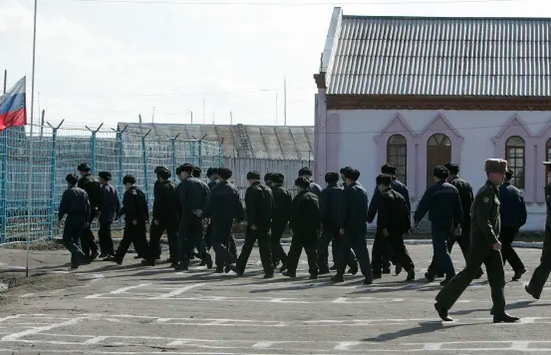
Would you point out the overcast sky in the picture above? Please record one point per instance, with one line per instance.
(109, 60)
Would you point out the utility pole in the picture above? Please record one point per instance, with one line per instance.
(203, 110)
(231, 119)
(191, 113)
(140, 119)
(284, 101)
(153, 115)
(213, 114)
(276, 109)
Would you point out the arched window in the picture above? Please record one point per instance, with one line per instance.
(397, 155)
(515, 156)
(439, 152)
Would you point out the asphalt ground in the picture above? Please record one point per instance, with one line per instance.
(128, 309)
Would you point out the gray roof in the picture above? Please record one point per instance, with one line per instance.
(240, 141)
(438, 56)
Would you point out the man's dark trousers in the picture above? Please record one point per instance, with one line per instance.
(220, 239)
(155, 234)
(308, 241)
(105, 238)
(278, 254)
(132, 234)
(72, 231)
(88, 241)
(380, 247)
(190, 235)
(441, 233)
(506, 237)
(263, 237)
(480, 253)
(332, 236)
(355, 239)
(395, 240)
(541, 274)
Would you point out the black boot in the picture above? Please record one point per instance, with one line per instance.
(442, 313)
(505, 318)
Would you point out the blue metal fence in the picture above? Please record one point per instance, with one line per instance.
(58, 151)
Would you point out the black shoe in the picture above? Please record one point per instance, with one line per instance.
(337, 278)
(518, 275)
(333, 268)
(442, 313)
(289, 274)
(313, 277)
(219, 269)
(283, 268)
(158, 257)
(376, 276)
(353, 270)
(411, 275)
(236, 270)
(203, 263)
(94, 255)
(181, 267)
(398, 269)
(429, 277)
(479, 275)
(227, 269)
(505, 318)
(445, 281)
(368, 281)
(114, 259)
(102, 255)
(208, 261)
(324, 271)
(529, 290)
(269, 276)
(148, 262)
(386, 271)
(74, 266)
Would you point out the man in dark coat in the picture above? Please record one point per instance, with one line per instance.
(307, 173)
(443, 204)
(304, 224)
(136, 212)
(109, 211)
(352, 227)
(166, 214)
(485, 248)
(212, 175)
(259, 204)
(541, 274)
(223, 209)
(513, 216)
(93, 189)
(394, 220)
(74, 204)
(280, 218)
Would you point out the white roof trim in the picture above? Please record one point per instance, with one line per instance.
(333, 35)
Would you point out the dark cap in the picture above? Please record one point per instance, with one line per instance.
(440, 172)
(253, 175)
(388, 169)
(278, 178)
(352, 174)
(331, 177)
(452, 167)
(269, 177)
(343, 170)
(163, 173)
(495, 165)
(224, 173)
(128, 179)
(187, 167)
(212, 171)
(305, 171)
(71, 179)
(105, 175)
(384, 179)
(158, 168)
(303, 182)
(85, 167)
(196, 172)
(509, 174)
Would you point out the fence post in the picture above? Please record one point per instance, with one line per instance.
(51, 212)
(4, 187)
(219, 155)
(173, 144)
(144, 152)
(93, 147)
(200, 158)
(119, 162)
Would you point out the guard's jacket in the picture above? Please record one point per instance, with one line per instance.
(74, 202)
(134, 206)
(353, 208)
(393, 211)
(93, 189)
(192, 195)
(466, 194)
(443, 204)
(224, 203)
(110, 203)
(485, 219)
(329, 203)
(315, 189)
(282, 205)
(259, 202)
(397, 186)
(305, 213)
(166, 206)
(212, 184)
(513, 208)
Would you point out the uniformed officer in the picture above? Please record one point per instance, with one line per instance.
(485, 248)
(212, 175)
(307, 173)
(192, 196)
(268, 179)
(93, 189)
(304, 224)
(541, 274)
(74, 204)
(109, 211)
(394, 220)
(166, 214)
(280, 218)
(136, 212)
(352, 227)
(443, 204)
(513, 216)
(259, 204)
(223, 208)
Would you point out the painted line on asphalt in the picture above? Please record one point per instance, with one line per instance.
(36, 330)
(181, 290)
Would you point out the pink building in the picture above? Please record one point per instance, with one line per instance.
(421, 91)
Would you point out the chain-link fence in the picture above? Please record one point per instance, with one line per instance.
(57, 151)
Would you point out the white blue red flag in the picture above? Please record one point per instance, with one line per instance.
(13, 110)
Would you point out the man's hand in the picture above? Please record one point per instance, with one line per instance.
(385, 232)
(135, 222)
(341, 231)
(497, 246)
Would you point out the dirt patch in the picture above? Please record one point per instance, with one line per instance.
(13, 284)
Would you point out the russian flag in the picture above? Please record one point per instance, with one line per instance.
(13, 110)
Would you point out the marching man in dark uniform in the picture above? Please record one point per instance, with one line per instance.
(223, 209)
(307, 173)
(259, 204)
(394, 220)
(109, 211)
(136, 212)
(513, 216)
(280, 218)
(166, 213)
(352, 223)
(485, 248)
(212, 175)
(304, 225)
(93, 189)
(443, 204)
(74, 204)
(541, 274)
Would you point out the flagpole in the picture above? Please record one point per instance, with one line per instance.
(31, 139)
